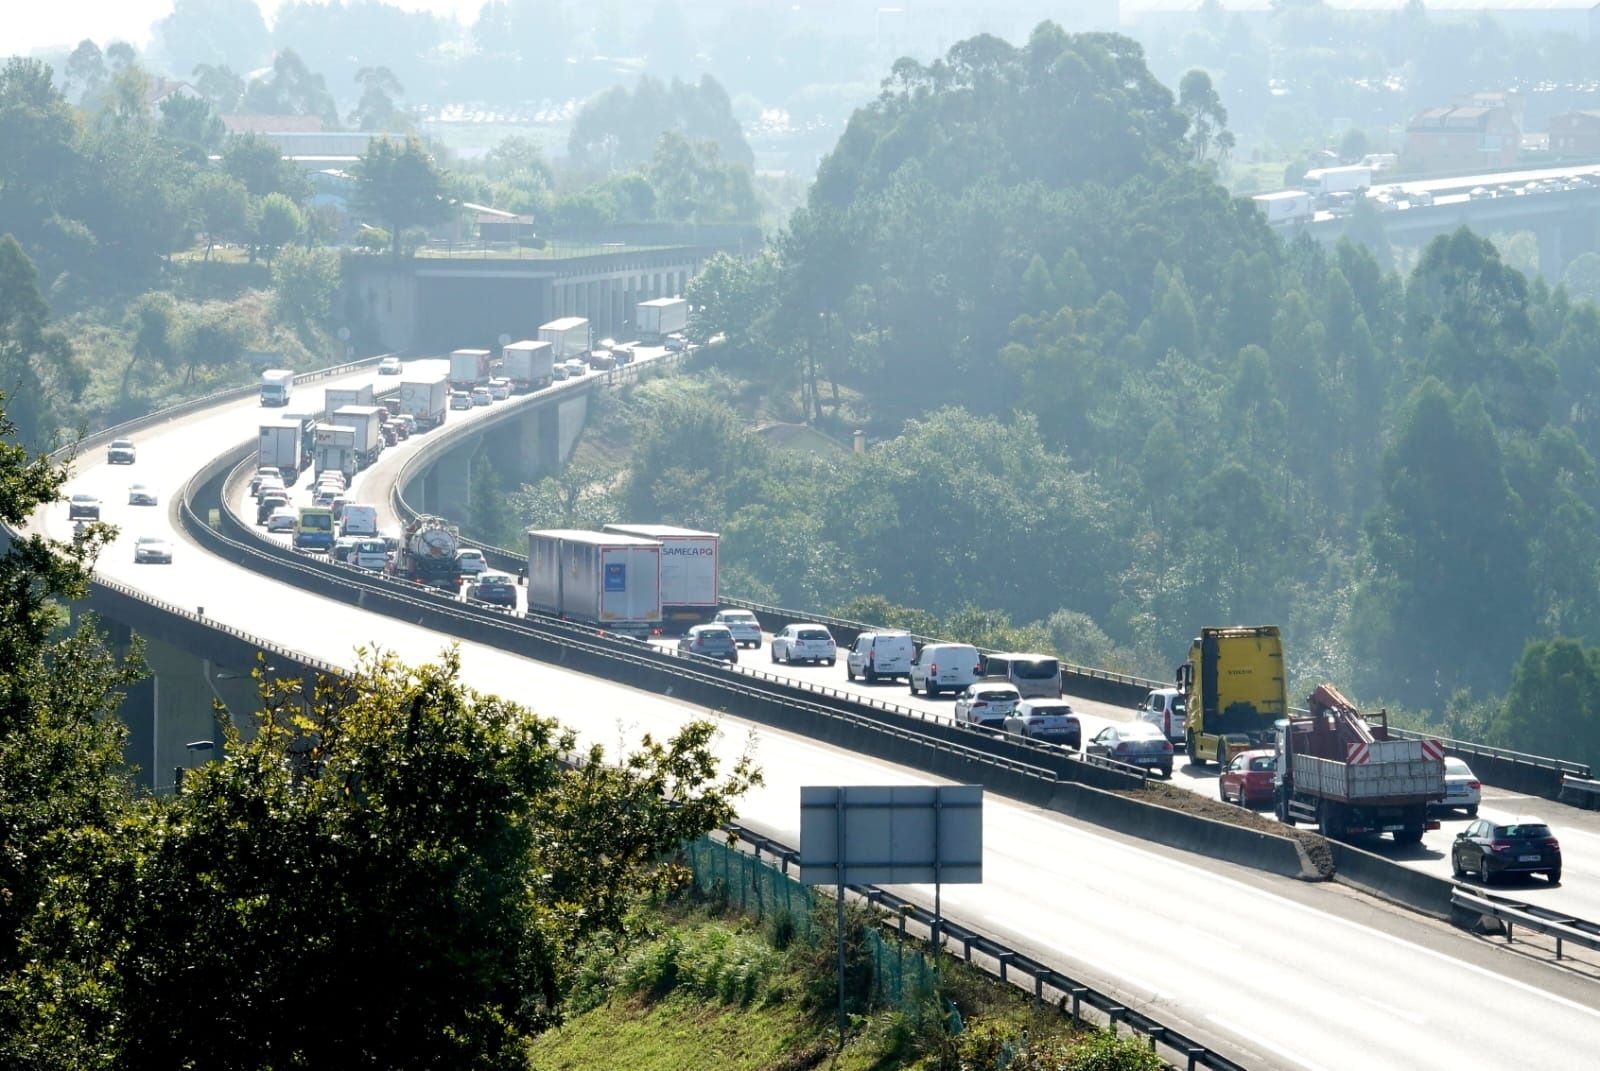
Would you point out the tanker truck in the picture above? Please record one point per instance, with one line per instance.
(427, 553)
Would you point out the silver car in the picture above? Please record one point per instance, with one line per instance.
(987, 704)
(1049, 720)
(710, 641)
(744, 625)
(152, 549)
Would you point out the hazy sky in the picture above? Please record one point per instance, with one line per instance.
(29, 24)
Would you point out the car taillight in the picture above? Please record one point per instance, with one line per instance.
(933, 668)
(1121, 749)
(1166, 745)
(1500, 846)
(1475, 785)
(980, 705)
(872, 656)
(1551, 842)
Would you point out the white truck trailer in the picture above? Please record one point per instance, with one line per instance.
(1325, 180)
(470, 368)
(596, 578)
(528, 364)
(277, 384)
(335, 449)
(568, 337)
(688, 572)
(367, 422)
(662, 317)
(336, 398)
(280, 448)
(426, 401)
(1286, 206)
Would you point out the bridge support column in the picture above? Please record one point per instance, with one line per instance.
(1552, 258)
(452, 474)
(171, 709)
(539, 444)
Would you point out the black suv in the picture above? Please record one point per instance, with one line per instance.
(1489, 849)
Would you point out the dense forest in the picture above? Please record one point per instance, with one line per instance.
(1099, 386)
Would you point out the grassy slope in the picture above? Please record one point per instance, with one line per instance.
(687, 1030)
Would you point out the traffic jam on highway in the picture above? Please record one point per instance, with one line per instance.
(660, 585)
(1332, 767)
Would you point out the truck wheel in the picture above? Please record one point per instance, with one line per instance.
(1329, 822)
(1280, 805)
(1222, 755)
(1408, 836)
(1194, 752)
(1472, 812)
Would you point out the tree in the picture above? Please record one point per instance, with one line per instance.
(277, 223)
(230, 33)
(152, 321)
(260, 165)
(35, 361)
(219, 85)
(303, 284)
(191, 122)
(401, 186)
(376, 110)
(61, 743)
(85, 70)
(1582, 277)
(1208, 119)
(221, 206)
(1553, 707)
(292, 89)
(210, 335)
(405, 872)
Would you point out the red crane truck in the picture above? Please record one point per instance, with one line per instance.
(1348, 777)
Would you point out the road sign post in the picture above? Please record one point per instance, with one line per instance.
(889, 835)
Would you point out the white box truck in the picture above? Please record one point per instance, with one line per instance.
(528, 364)
(469, 368)
(688, 571)
(367, 422)
(1326, 180)
(276, 386)
(335, 449)
(1286, 206)
(336, 398)
(596, 578)
(568, 337)
(426, 400)
(662, 317)
(280, 447)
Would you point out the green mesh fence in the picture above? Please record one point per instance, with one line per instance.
(902, 974)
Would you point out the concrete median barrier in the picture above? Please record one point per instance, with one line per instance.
(1390, 881)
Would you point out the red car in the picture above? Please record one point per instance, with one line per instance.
(1248, 778)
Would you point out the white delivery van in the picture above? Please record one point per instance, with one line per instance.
(1037, 676)
(1164, 708)
(881, 654)
(943, 667)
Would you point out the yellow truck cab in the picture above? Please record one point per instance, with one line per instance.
(1234, 691)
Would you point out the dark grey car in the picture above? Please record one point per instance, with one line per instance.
(1489, 849)
(710, 641)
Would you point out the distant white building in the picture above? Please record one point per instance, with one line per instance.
(1580, 18)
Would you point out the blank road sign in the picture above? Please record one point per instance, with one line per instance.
(891, 834)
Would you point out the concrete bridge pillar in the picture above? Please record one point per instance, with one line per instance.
(452, 487)
(1552, 256)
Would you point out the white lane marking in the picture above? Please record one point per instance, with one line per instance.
(1388, 1008)
(1493, 976)
(1258, 1040)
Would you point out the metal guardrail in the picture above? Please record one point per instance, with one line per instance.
(1513, 913)
(1001, 961)
(1467, 747)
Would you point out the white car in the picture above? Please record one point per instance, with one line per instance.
(152, 549)
(743, 624)
(804, 643)
(470, 562)
(500, 389)
(1049, 720)
(987, 703)
(261, 474)
(576, 368)
(1461, 788)
(881, 654)
(120, 452)
(269, 483)
(282, 520)
(83, 507)
(140, 494)
(389, 366)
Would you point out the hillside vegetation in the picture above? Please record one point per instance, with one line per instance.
(1099, 385)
